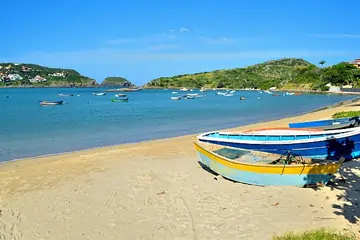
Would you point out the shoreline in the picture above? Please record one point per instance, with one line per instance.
(156, 190)
(341, 103)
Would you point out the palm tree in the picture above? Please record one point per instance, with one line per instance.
(322, 62)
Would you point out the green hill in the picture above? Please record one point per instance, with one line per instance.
(287, 73)
(32, 75)
(116, 82)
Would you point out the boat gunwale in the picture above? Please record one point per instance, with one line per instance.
(341, 134)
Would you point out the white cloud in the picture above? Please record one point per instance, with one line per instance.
(336, 35)
(184, 30)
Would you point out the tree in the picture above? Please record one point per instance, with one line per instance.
(322, 62)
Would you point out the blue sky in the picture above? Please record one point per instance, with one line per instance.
(142, 40)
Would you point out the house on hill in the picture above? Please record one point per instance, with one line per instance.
(356, 62)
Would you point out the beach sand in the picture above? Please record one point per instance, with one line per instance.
(157, 190)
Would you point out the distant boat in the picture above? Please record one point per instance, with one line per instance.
(99, 94)
(289, 93)
(189, 97)
(120, 99)
(317, 144)
(232, 91)
(192, 94)
(48, 103)
(174, 92)
(275, 94)
(184, 89)
(220, 93)
(228, 94)
(175, 98)
(120, 95)
(242, 98)
(329, 124)
(266, 169)
(65, 95)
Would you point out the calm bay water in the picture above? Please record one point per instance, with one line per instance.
(86, 121)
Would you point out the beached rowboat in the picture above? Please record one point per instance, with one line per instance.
(329, 124)
(48, 103)
(120, 99)
(315, 144)
(264, 169)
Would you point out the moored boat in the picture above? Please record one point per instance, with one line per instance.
(184, 89)
(189, 97)
(192, 94)
(228, 94)
(126, 99)
(49, 103)
(175, 98)
(65, 95)
(99, 94)
(120, 95)
(266, 169)
(242, 98)
(315, 144)
(329, 124)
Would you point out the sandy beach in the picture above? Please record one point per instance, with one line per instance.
(157, 190)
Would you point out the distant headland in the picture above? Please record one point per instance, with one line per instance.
(21, 75)
(286, 74)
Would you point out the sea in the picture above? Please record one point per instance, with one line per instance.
(86, 121)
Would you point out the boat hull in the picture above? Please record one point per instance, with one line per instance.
(268, 175)
(120, 100)
(330, 124)
(48, 103)
(345, 144)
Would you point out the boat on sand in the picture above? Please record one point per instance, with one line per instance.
(265, 169)
(309, 143)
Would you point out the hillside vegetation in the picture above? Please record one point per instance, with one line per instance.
(116, 82)
(287, 73)
(16, 75)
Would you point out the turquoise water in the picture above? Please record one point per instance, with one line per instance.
(28, 129)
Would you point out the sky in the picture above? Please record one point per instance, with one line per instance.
(142, 40)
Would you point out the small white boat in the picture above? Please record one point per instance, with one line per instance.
(232, 91)
(228, 95)
(184, 89)
(220, 93)
(174, 92)
(192, 94)
(99, 94)
(175, 98)
(120, 95)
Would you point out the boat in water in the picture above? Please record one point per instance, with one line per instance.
(120, 95)
(266, 169)
(99, 94)
(126, 99)
(228, 94)
(175, 98)
(329, 124)
(242, 98)
(192, 94)
(189, 97)
(50, 103)
(309, 143)
(184, 89)
(65, 95)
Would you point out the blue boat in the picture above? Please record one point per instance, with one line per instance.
(265, 169)
(329, 124)
(317, 144)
